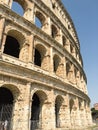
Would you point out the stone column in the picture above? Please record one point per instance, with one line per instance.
(78, 79)
(51, 60)
(47, 26)
(3, 42)
(10, 3)
(83, 115)
(45, 62)
(22, 109)
(74, 52)
(59, 37)
(77, 121)
(65, 113)
(31, 48)
(61, 69)
(88, 116)
(24, 53)
(71, 74)
(48, 113)
(29, 12)
(68, 45)
(2, 23)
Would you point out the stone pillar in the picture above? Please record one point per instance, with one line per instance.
(45, 62)
(22, 109)
(10, 3)
(3, 42)
(71, 74)
(24, 53)
(74, 52)
(2, 23)
(77, 121)
(51, 59)
(65, 113)
(47, 26)
(31, 48)
(48, 113)
(59, 37)
(61, 69)
(88, 116)
(29, 12)
(78, 79)
(83, 115)
(68, 45)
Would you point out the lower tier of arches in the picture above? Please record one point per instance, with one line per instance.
(31, 106)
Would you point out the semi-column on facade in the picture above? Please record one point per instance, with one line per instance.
(42, 81)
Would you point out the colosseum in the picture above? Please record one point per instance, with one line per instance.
(42, 82)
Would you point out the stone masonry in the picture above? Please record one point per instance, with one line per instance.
(42, 81)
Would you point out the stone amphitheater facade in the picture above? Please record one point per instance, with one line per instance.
(42, 81)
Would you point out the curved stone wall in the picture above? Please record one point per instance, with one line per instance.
(41, 65)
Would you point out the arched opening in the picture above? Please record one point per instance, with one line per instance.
(39, 19)
(16, 7)
(6, 106)
(58, 104)
(12, 47)
(38, 22)
(64, 41)
(57, 107)
(35, 112)
(71, 104)
(56, 61)
(37, 58)
(53, 31)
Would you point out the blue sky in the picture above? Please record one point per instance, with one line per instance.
(84, 14)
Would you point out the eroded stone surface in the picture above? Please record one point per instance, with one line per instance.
(42, 68)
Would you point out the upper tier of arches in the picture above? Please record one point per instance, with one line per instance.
(49, 7)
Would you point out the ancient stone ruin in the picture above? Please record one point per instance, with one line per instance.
(42, 81)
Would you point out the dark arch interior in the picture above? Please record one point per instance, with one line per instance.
(53, 31)
(37, 59)
(71, 103)
(12, 47)
(6, 96)
(55, 65)
(57, 108)
(67, 69)
(6, 104)
(35, 112)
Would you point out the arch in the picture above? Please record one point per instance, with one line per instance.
(22, 3)
(56, 62)
(58, 103)
(17, 7)
(38, 99)
(54, 31)
(12, 46)
(40, 52)
(16, 34)
(39, 19)
(13, 43)
(6, 106)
